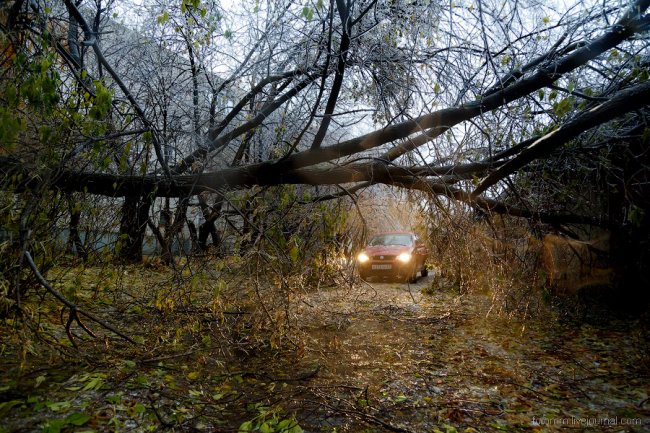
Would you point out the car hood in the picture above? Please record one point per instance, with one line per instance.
(387, 250)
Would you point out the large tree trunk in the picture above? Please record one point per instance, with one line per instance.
(135, 213)
(194, 236)
(75, 242)
(208, 228)
(629, 213)
(630, 258)
(172, 229)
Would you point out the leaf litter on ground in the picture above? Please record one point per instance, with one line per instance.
(370, 357)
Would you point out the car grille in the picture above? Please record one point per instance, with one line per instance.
(383, 257)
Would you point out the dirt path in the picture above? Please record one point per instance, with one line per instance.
(376, 357)
(398, 360)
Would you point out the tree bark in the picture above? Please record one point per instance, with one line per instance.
(135, 214)
(629, 219)
(208, 228)
(172, 229)
(75, 239)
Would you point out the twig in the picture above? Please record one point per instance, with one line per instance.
(408, 289)
(164, 358)
(365, 417)
(92, 41)
(302, 376)
(160, 418)
(75, 312)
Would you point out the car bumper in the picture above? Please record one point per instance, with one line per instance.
(385, 269)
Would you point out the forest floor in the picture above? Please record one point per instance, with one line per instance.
(369, 357)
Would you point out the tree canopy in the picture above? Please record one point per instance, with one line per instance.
(284, 93)
(509, 107)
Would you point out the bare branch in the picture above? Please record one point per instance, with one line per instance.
(623, 102)
(91, 40)
(74, 310)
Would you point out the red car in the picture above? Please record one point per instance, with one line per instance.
(401, 255)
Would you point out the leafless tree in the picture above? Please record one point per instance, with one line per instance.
(460, 101)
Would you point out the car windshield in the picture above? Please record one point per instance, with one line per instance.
(405, 240)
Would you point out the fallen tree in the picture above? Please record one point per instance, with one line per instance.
(145, 117)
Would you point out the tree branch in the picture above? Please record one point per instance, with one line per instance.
(91, 40)
(74, 310)
(623, 102)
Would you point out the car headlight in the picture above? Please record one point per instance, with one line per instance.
(363, 258)
(404, 257)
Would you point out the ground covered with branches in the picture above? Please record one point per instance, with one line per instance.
(225, 352)
(216, 166)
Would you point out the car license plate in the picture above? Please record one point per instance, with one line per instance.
(382, 266)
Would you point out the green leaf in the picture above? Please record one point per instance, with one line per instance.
(571, 87)
(102, 102)
(53, 426)
(77, 418)
(39, 381)
(289, 426)
(246, 426)
(6, 406)
(10, 126)
(58, 406)
(284, 424)
(114, 399)
(293, 253)
(94, 384)
(563, 107)
(139, 408)
(162, 19)
(307, 13)
(450, 429)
